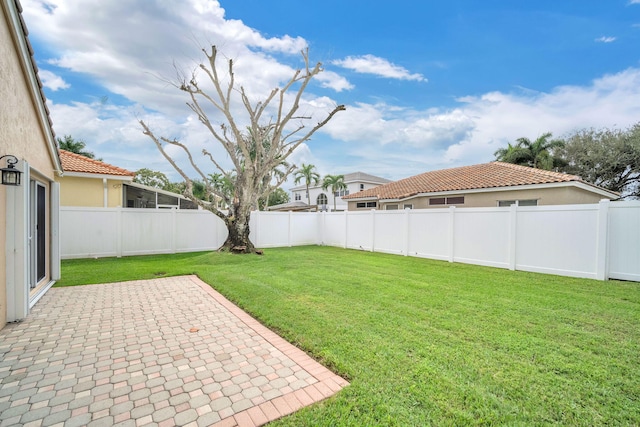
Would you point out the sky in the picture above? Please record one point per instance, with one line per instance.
(427, 85)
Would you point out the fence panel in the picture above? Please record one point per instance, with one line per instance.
(88, 232)
(558, 240)
(270, 229)
(389, 232)
(481, 236)
(429, 233)
(624, 241)
(334, 227)
(307, 226)
(198, 231)
(360, 230)
(146, 231)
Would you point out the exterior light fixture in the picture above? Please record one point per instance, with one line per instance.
(10, 175)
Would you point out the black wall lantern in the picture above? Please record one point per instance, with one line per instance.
(10, 175)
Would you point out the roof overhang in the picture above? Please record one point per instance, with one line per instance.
(99, 176)
(15, 26)
(154, 189)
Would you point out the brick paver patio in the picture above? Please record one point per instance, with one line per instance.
(165, 352)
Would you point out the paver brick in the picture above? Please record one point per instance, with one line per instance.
(122, 354)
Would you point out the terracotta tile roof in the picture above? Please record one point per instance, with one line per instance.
(486, 175)
(72, 162)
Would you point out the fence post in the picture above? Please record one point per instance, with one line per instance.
(406, 232)
(322, 227)
(373, 230)
(602, 248)
(346, 229)
(452, 216)
(290, 231)
(174, 230)
(513, 230)
(119, 232)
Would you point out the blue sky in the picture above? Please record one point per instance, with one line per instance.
(427, 85)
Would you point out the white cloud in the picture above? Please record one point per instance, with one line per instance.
(380, 138)
(52, 81)
(370, 64)
(605, 39)
(634, 1)
(334, 81)
(403, 142)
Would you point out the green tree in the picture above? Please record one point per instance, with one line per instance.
(335, 183)
(308, 174)
(540, 154)
(607, 158)
(75, 146)
(276, 197)
(515, 154)
(153, 179)
(275, 137)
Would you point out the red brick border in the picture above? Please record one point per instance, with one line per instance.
(328, 383)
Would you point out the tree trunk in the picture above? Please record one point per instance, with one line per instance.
(238, 240)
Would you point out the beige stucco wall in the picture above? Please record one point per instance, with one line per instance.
(567, 195)
(89, 192)
(21, 132)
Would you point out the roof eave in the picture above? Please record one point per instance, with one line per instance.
(98, 176)
(580, 184)
(35, 89)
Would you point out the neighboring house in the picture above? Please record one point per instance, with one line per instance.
(294, 206)
(484, 185)
(91, 183)
(29, 245)
(356, 182)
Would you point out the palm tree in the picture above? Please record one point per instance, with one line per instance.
(515, 154)
(78, 147)
(537, 154)
(336, 183)
(309, 175)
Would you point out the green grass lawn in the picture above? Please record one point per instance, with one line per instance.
(427, 342)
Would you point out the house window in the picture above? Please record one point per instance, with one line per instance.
(391, 207)
(341, 193)
(407, 206)
(525, 202)
(361, 187)
(361, 205)
(322, 199)
(457, 200)
(297, 196)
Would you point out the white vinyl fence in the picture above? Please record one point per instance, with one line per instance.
(597, 241)
(107, 232)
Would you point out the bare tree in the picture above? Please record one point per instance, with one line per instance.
(255, 151)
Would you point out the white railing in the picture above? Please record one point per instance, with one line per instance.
(597, 241)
